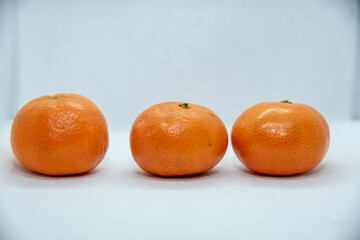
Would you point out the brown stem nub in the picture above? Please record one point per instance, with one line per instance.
(286, 101)
(184, 105)
(55, 97)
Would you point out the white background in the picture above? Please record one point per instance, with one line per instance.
(226, 55)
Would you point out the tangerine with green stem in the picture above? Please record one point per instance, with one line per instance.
(178, 139)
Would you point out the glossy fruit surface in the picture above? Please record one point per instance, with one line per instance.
(178, 139)
(62, 134)
(280, 138)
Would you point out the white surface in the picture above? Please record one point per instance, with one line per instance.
(119, 201)
(128, 55)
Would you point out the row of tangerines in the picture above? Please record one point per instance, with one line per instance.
(67, 134)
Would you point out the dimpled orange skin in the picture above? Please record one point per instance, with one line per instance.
(280, 138)
(169, 140)
(63, 134)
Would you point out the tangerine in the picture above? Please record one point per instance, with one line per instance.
(178, 139)
(62, 134)
(280, 138)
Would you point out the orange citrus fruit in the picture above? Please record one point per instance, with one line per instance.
(178, 139)
(59, 135)
(280, 138)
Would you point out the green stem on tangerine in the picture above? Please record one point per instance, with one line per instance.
(184, 105)
(286, 101)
